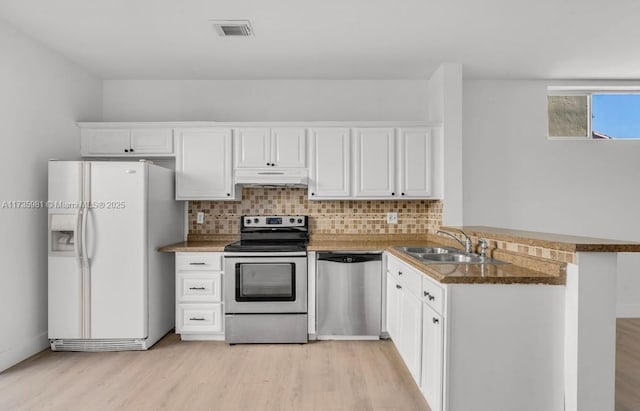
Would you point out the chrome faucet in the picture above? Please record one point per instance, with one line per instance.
(467, 244)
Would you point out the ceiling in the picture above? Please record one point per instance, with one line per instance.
(338, 39)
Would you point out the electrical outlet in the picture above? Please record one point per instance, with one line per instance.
(392, 218)
(200, 218)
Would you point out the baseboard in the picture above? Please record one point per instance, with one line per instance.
(23, 350)
(628, 311)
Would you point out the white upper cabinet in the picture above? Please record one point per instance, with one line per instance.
(288, 147)
(329, 163)
(152, 140)
(374, 163)
(258, 147)
(253, 147)
(415, 162)
(203, 164)
(126, 142)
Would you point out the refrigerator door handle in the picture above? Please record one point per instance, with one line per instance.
(85, 256)
(77, 235)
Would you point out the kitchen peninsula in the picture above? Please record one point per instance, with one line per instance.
(530, 313)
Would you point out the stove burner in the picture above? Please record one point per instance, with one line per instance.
(258, 247)
(275, 234)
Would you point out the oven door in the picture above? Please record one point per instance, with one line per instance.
(265, 284)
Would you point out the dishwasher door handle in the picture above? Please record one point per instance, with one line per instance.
(349, 258)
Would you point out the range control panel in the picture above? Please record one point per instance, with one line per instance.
(274, 221)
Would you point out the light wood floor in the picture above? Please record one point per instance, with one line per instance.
(628, 364)
(328, 375)
(174, 375)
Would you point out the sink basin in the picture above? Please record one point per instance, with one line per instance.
(457, 259)
(427, 250)
(442, 255)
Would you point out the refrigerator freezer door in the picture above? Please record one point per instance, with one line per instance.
(116, 249)
(65, 275)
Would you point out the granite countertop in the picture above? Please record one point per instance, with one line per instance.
(205, 243)
(523, 269)
(556, 241)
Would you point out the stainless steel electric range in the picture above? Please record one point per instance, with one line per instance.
(265, 291)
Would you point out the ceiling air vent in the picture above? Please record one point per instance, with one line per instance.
(233, 28)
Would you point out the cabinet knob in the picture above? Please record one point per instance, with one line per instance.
(228, 194)
(435, 320)
(426, 294)
(398, 286)
(399, 272)
(313, 194)
(431, 298)
(268, 164)
(393, 194)
(401, 194)
(131, 150)
(126, 150)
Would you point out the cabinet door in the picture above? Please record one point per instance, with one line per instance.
(152, 141)
(410, 333)
(432, 357)
(393, 308)
(374, 165)
(289, 147)
(329, 163)
(253, 147)
(415, 165)
(105, 141)
(203, 164)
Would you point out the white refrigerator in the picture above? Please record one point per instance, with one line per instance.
(109, 288)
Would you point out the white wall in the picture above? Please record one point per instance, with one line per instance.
(264, 100)
(515, 177)
(444, 93)
(42, 96)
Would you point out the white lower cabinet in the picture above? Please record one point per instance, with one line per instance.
(409, 333)
(478, 346)
(404, 316)
(432, 357)
(199, 299)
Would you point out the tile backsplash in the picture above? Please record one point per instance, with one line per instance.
(326, 217)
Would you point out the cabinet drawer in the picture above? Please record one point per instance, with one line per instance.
(200, 286)
(408, 277)
(199, 318)
(199, 261)
(433, 295)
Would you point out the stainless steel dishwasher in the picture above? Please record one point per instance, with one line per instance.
(349, 295)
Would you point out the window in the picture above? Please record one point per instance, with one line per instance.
(597, 114)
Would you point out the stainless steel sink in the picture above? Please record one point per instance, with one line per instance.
(445, 255)
(427, 250)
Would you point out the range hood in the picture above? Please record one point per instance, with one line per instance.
(266, 177)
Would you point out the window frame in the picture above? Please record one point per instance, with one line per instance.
(588, 92)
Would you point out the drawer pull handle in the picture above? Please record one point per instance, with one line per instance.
(435, 320)
(196, 319)
(429, 296)
(197, 288)
(197, 263)
(398, 286)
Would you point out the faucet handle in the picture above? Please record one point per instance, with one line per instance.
(484, 245)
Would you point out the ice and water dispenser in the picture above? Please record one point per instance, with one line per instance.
(62, 228)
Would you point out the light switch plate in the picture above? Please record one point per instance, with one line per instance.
(392, 218)
(200, 218)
